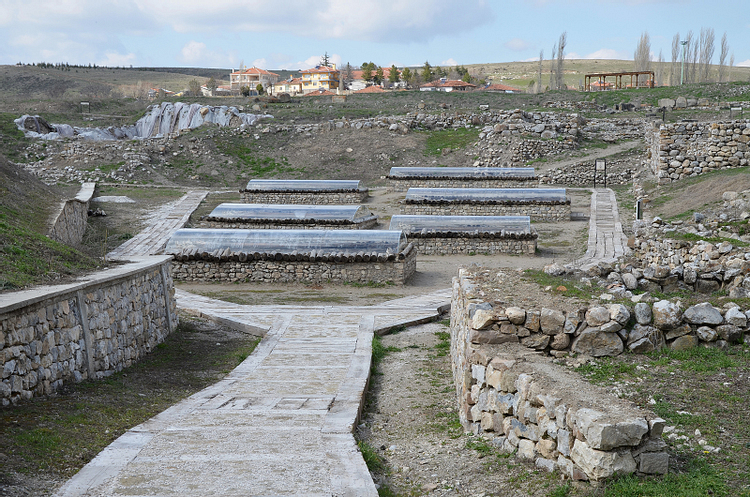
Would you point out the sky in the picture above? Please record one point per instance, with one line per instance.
(294, 34)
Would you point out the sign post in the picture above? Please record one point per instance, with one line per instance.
(600, 165)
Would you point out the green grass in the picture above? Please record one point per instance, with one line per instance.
(453, 139)
(373, 459)
(12, 140)
(563, 286)
(480, 445)
(606, 370)
(444, 343)
(699, 480)
(695, 360)
(379, 351)
(255, 165)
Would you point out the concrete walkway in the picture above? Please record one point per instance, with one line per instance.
(169, 219)
(606, 241)
(281, 423)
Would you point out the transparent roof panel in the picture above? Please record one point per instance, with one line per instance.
(486, 194)
(351, 213)
(462, 172)
(301, 185)
(286, 241)
(412, 224)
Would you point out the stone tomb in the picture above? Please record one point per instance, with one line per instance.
(540, 204)
(308, 256)
(446, 235)
(290, 216)
(316, 192)
(400, 179)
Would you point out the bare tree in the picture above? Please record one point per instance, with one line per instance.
(723, 57)
(552, 73)
(642, 56)
(674, 69)
(539, 72)
(660, 70)
(731, 65)
(561, 59)
(707, 49)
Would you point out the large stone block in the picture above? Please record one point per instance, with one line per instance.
(654, 463)
(666, 315)
(598, 464)
(703, 314)
(596, 343)
(597, 316)
(551, 321)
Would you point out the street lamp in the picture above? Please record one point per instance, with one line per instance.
(682, 72)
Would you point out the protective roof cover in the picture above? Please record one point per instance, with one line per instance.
(286, 241)
(159, 120)
(413, 223)
(462, 172)
(350, 213)
(510, 195)
(304, 185)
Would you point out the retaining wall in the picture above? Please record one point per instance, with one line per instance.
(542, 412)
(394, 269)
(536, 211)
(50, 336)
(318, 198)
(682, 150)
(465, 243)
(278, 224)
(70, 222)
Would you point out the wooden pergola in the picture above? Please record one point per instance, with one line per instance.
(601, 78)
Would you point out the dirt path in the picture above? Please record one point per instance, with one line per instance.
(596, 153)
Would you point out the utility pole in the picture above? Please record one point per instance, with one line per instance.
(682, 71)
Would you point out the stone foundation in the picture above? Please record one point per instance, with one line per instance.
(526, 405)
(278, 224)
(312, 198)
(90, 329)
(435, 244)
(536, 211)
(334, 268)
(403, 184)
(71, 220)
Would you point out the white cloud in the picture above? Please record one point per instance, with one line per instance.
(517, 44)
(261, 63)
(572, 56)
(608, 53)
(449, 62)
(114, 59)
(372, 20)
(196, 53)
(744, 63)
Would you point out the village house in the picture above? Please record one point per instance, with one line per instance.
(358, 82)
(447, 85)
(292, 86)
(320, 78)
(251, 77)
(501, 88)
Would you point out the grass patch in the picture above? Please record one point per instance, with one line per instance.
(379, 351)
(453, 139)
(444, 343)
(692, 237)
(696, 360)
(256, 166)
(563, 286)
(699, 480)
(373, 459)
(12, 141)
(606, 370)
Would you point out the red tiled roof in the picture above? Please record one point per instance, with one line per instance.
(386, 73)
(319, 93)
(453, 83)
(501, 87)
(255, 70)
(370, 89)
(320, 69)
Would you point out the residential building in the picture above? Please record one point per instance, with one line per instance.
(320, 78)
(447, 85)
(292, 86)
(251, 77)
(501, 88)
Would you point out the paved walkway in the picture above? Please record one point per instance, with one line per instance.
(606, 242)
(279, 424)
(169, 219)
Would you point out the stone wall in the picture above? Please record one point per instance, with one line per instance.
(70, 222)
(334, 268)
(466, 243)
(542, 412)
(85, 330)
(278, 224)
(319, 198)
(683, 150)
(402, 185)
(536, 211)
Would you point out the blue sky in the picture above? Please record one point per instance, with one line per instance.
(293, 34)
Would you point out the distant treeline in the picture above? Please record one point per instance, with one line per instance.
(219, 74)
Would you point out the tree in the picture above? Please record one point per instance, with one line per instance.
(642, 55)
(325, 60)
(195, 88)
(393, 76)
(346, 77)
(368, 69)
(539, 72)
(723, 57)
(245, 91)
(211, 85)
(427, 74)
(731, 65)
(674, 69)
(259, 88)
(560, 60)
(707, 50)
(660, 70)
(379, 76)
(407, 76)
(552, 73)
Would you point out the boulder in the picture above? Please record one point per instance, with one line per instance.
(551, 321)
(596, 343)
(703, 314)
(642, 313)
(619, 313)
(491, 337)
(707, 334)
(599, 464)
(666, 102)
(560, 341)
(515, 315)
(654, 463)
(536, 341)
(597, 316)
(736, 317)
(483, 318)
(685, 342)
(666, 314)
(630, 281)
(532, 321)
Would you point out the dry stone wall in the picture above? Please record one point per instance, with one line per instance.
(70, 222)
(436, 243)
(321, 198)
(536, 211)
(541, 412)
(282, 224)
(83, 330)
(335, 268)
(402, 185)
(683, 150)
